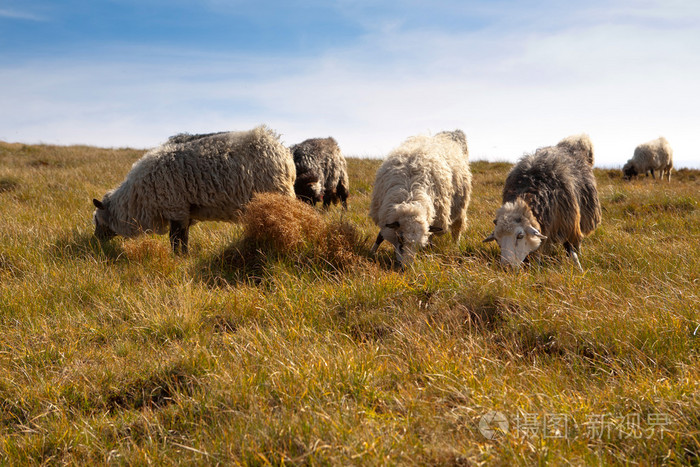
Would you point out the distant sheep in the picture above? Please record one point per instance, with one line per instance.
(211, 177)
(322, 173)
(423, 187)
(650, 156)
(548, 196)
(579, 146)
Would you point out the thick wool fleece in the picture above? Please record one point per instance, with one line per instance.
(578, 146)
(211, 177)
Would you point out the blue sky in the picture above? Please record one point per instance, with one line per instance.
(514, 75)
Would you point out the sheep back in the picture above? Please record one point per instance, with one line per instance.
(579, 146)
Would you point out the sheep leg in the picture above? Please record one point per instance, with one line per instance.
(456, 229)
(571, 252)
(377, 242)
(179, 235)
(343, 195)
(329, 198)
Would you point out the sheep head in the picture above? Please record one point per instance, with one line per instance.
(516, 231)
(629, 171)
(410, 231)
(308, 188)
(101, 219)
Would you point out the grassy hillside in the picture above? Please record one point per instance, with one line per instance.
(123, 353)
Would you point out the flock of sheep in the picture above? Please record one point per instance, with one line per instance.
(422, 189)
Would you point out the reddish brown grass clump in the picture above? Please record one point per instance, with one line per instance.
(286, 226)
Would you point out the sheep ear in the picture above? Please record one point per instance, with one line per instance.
(393, 225)
(434, 229)
(98, 204)
(490, 238)
(533, 231)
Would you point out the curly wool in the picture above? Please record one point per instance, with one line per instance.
(211, 177)
(559, 190)
(650, 156)
(320, 159)
(424, 182)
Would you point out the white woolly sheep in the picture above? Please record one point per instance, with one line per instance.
(650, 156)
(211, 177)
(423, 187)
(548, 196)
(322, 172)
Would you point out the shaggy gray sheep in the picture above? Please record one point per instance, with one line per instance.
(650, 156)
(548, 196)
(322, 173)
(423, 187)
(211, 177)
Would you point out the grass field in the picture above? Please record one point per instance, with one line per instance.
(123, 353)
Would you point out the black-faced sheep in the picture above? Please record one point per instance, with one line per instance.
(650, 156)
(211, 177)
(423, 187)
(548, 196)
(322, 173)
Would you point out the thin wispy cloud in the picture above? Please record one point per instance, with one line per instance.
(20, 15)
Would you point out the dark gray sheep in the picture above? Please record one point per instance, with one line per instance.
(322, 172)
(548, 196)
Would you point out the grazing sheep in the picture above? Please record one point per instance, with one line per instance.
(548, 196)
(579, 146)
(650, 156)
(423, 187)
(322, 173)
(211, 177)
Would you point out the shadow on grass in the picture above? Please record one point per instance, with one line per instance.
(247, 262)
(237, 264)
(79, 245)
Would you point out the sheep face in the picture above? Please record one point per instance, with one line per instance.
(407, 239)
(308, 188)
(101, 220)
(409, 233)
(516, 232)
(629, 171)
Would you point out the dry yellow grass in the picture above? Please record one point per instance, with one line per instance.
(279, 344)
